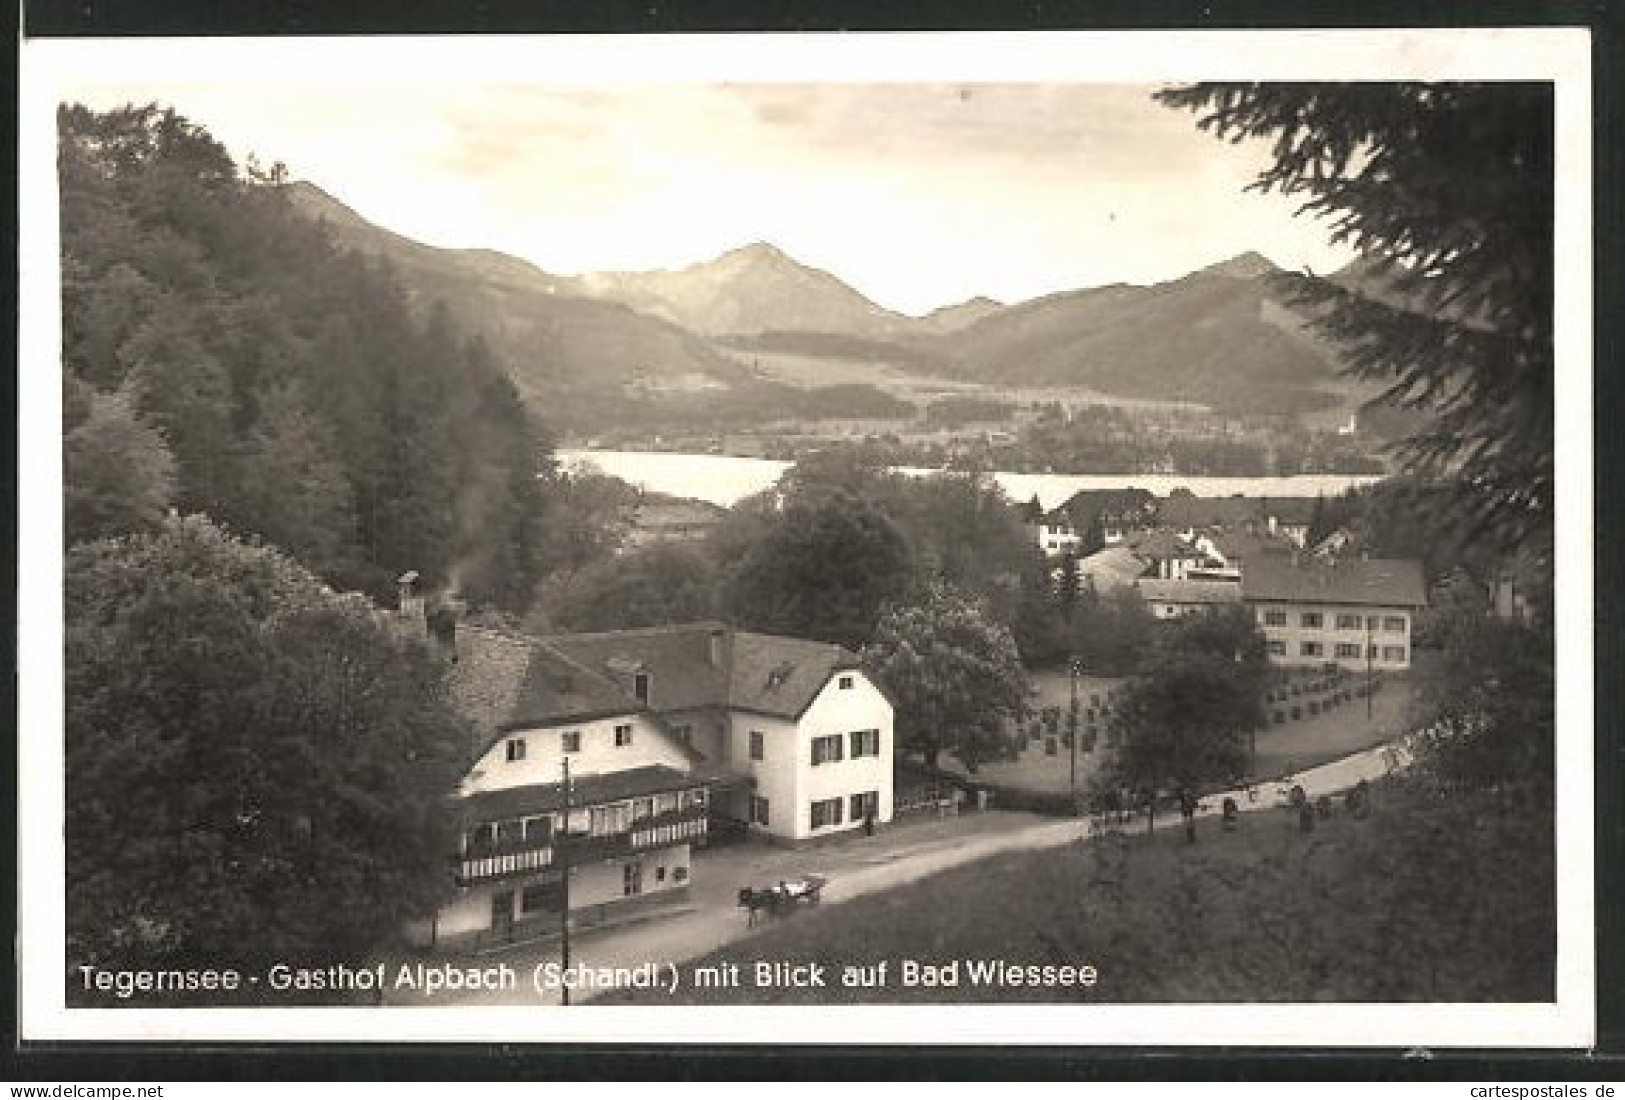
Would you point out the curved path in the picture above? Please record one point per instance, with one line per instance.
(894, 859)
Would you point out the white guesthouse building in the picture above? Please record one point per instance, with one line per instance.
(666, 732)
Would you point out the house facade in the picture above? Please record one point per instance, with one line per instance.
(803, 735)
(1356, 613)
(569, 774)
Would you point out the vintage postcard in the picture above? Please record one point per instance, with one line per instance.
(1025, 539)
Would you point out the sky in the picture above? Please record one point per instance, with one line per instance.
(917, 194)
(922, 169)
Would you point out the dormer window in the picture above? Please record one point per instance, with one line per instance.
(845, 683)
(516, 749)
(640, 687)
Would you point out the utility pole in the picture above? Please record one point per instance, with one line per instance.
(1370, 675)
(1072, 719)
(561, 849)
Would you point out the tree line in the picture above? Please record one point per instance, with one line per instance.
(222, 356)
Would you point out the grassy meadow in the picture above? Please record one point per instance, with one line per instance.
(1428, 899)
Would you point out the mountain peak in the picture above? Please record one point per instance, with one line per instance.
(755, 254)
(1248, 265)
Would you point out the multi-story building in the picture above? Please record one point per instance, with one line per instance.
(608, 757)
(567, 769)
(1357, 613)
(800, 723)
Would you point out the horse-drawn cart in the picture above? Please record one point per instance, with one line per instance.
(778, 900)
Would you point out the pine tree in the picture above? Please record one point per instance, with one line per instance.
(1447, 192)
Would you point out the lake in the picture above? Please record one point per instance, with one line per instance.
(726, 479)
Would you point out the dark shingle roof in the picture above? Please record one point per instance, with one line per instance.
(505, 681)
(781, 676)
(1184, 512)
(709, 664)
(1162, 543)
(1387, 582)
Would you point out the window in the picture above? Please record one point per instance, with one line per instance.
(640, 686)
(865, 743)
(642, 808)
(610, 820)
(1371, 622)
(845, 683)
(826, 750)
(1348, 622)
(826, 813)
(1309, 649)
(1393, 653)
(865, 804)
(516, 749)
(572, 741)
(631, 879)
(623, 736)
(538, 830)
(660, 874)
(759, 811)
(1275, 649)
(758, 745)
(1275, 618)
(1348, 649)
(1310, 619)
(1394, 624)
(481, 841)
(1372, 652)
(684, 734)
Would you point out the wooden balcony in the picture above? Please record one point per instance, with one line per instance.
(493, 862)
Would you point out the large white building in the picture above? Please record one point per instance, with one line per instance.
(663, 732)
(636, 800)
(799, 722)
(1358, 613)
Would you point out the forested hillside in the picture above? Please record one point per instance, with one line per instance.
(222, 355)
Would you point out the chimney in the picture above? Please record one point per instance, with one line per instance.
(411, 602)
(441, 620)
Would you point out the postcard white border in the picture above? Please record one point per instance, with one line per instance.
(1561, 55)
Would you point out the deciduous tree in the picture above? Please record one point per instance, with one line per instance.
(253, 765)
(118, 473)
(824, 570)
(954, 674)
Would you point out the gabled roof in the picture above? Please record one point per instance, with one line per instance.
(1188, 591)
(1380, 582)
(1162, 544)
(781, 676)
(1184, 513)
(1244, 546)
(505, 681)
(1115, 565)
(709, 664)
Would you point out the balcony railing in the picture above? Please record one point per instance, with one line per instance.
(491, 862)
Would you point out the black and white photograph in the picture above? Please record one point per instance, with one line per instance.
(970, 538)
